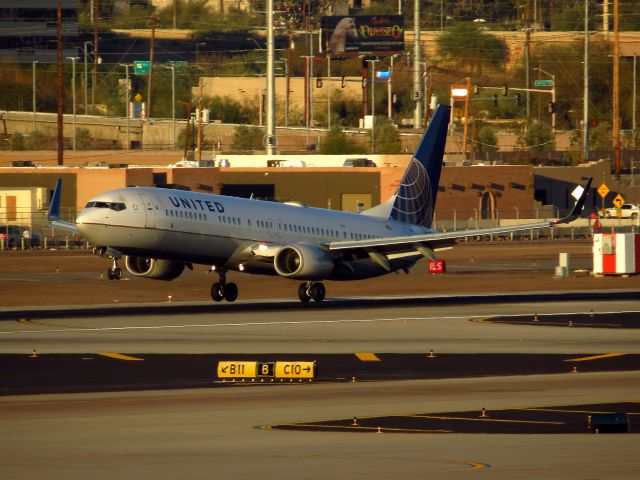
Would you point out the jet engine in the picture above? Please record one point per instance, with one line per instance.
(153, 268)
(303, 261)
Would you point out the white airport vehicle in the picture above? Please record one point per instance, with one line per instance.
(627, 210)
(160, 231)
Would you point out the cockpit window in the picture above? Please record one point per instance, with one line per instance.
(117, 206)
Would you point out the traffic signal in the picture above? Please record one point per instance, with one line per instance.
(551, 107)
(518, 99)
(495, 100)
(476, 88)
(505, 90)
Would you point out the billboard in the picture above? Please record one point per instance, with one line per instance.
(366, 34)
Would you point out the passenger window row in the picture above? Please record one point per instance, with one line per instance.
(287, 227)
(186, 214)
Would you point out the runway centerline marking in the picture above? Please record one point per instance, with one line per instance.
(120, 356)
(594, 357)
(234, 324)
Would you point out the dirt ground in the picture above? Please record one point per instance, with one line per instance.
(77, 277)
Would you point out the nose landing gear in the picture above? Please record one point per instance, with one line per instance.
(115, 272)
(222, 290)
(311, 290)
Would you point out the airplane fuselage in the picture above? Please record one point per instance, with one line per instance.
(223, 231)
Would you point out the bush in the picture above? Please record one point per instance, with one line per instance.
(83, 139)
(247, 138)
(538, 137)
(387, 138)
(487, 141)
(336, 143)
(36, 141)
(17, 141)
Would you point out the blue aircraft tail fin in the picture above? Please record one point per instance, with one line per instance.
(415, 199)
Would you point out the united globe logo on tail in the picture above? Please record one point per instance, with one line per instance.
(415, 200)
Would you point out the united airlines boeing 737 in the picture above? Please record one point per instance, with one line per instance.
(160, 231)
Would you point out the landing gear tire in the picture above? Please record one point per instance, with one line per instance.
(217, 292)
(114, 273)
(303, 293)
(222, 290)
(318, 291)
(308, 291)
(230, 292)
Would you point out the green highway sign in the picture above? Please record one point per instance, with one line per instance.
(544, 83)
(141, 67)
(179, 63)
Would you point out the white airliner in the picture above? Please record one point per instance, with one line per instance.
(160, 231)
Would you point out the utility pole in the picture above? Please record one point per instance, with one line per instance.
(174, 13)
(585, 97)
(86, 77)
(151, 48)
(127, 94)
(467, 110)
(372, 64)
(73, 96)
(417, 85)
(199, 114)
(33, 99)
(616, 88)
(173, 107)
(271, 85)
(633, 101)
(94, 72)
(527, 53)
(60, 143)
(288, 81)
(328, 91)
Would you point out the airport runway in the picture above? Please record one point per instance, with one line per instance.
(220, 431)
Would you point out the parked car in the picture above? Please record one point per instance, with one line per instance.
(628, 210)
(359, 162)
(13, 235)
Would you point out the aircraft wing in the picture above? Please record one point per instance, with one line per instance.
(53, 215)
(427, 243)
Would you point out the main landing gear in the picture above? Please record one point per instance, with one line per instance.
(309, 290)
(222, 290)
(115, 272)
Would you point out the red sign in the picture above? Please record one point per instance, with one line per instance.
(437, 266)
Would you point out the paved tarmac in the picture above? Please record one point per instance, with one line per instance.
(219, 431)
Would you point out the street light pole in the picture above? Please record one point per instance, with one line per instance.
(553, 96)
(328, 91)
(372, 67)
(271, 84)
(126, 99)
(417, 86)
(86, 76)
(585, 95)
(34, 94)
(73, 96)
(173, 106)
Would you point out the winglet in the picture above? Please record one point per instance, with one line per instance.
(54, 207)
(577, 209)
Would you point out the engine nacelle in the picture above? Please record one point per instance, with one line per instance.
(153, 268)
(303, 261)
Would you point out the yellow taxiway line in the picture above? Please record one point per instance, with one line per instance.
(367, 357)
(595, 357)
(119, 356)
